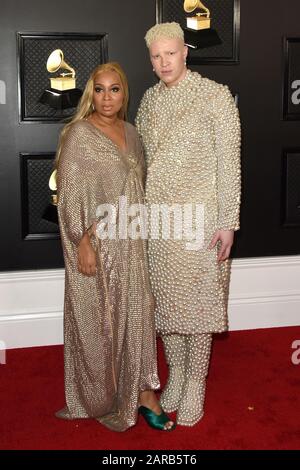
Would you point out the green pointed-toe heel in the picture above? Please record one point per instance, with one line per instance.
(156, 421)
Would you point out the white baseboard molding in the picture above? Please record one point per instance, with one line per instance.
(31, 308)
(264, 293)
(24, 331)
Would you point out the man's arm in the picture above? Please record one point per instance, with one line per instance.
(228, 149)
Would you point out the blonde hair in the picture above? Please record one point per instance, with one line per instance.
(164, 31)
(85, 105)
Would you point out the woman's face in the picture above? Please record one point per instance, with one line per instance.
(108, 95)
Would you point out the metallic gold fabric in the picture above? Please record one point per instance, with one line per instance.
(110, 350)
(191, 135)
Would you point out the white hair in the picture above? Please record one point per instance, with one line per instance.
(164, 31)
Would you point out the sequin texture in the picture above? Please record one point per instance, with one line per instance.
(110, 349)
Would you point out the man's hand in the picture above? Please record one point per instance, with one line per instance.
(86, 257)
(226, 239)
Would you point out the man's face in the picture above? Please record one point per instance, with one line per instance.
(168, 59)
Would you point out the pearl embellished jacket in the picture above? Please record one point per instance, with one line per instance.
(191, 136)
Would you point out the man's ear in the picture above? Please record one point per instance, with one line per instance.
(186, 50)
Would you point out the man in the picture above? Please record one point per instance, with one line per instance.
(191, 134)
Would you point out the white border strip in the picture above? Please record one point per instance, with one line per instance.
(264, 293)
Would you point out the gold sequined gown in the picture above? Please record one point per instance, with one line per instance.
(191, 137)
(109, 332)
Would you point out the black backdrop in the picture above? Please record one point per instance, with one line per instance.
(257, 79)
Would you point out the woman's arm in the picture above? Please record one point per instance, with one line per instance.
(73, 187)
(74, 202)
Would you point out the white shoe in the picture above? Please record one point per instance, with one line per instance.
(170, 397)
(190, 409)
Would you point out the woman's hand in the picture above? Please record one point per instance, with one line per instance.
(86, 257)
(226, 239)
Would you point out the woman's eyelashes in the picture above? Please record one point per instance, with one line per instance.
(114, 89)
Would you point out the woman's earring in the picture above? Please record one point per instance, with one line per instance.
(93, 107)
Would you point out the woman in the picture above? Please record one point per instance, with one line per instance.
(110, 351)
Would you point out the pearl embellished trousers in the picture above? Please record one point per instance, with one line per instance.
(188, 359)
(189, 351)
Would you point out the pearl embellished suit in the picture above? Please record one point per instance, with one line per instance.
(191, 137)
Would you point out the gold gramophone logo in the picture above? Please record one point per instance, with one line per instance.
(202, 18)
(198, 33)
(50, 213)
(65, 80)
(53, 186)
(62, 93)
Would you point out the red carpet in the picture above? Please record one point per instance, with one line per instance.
(253, 401)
